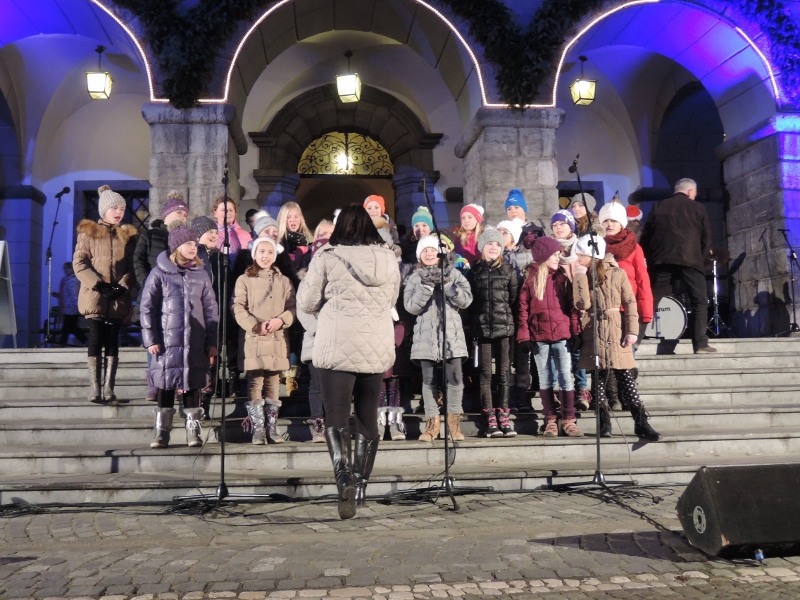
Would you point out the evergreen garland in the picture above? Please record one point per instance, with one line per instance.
(186, 46)
(784, 37)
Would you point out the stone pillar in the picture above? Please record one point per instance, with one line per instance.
(21, 226)
(762, 175)
(408, 195)
(511, 148)
(275, 190)
(189, 149)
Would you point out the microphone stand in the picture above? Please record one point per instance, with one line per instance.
(49, 338)
(599, 478)
(431, 493)
(793, 327)
(222, 489)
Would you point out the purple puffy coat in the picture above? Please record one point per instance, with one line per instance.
(179, 312)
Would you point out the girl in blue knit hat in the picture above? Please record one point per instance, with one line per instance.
(517, 208)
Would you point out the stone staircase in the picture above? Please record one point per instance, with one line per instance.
(739, 406)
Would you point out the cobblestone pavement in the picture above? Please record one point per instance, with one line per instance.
(521, 545)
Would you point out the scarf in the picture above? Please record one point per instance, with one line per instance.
(622, 244)
(568, 243)
(233, 239)
(293, 239)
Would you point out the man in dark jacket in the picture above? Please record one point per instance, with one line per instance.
(676, 240)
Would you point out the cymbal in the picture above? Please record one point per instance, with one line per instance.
(721, 254)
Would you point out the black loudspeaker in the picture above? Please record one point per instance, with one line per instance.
(733, 511)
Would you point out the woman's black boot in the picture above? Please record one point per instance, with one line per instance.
(339, 447)
(642, 427)
(363, 459)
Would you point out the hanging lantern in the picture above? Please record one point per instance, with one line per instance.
(582, 89)
(349, 85)
(98, 83)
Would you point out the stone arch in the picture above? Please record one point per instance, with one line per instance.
(419, 25)
(713, 49)
(316, 112)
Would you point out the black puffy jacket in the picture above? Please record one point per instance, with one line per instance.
(151, 243)
(494, 292)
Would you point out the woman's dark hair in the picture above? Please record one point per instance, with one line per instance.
(354, 227)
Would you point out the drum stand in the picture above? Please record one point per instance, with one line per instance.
(715, 324)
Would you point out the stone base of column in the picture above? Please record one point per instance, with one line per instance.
(511, 148)
(760, 169)
(189, 151)
(275, 190)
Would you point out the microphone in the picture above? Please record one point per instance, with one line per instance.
(66, 190)
(574, 166)
(421, 187)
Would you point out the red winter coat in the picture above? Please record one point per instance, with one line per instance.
(636, 269)
(550, 319)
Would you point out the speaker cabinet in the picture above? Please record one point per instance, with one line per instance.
(732, 511)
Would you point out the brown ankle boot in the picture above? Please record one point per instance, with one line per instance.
(431, 430)
(454, 425)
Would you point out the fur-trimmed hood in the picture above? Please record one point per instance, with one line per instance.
(100, 229)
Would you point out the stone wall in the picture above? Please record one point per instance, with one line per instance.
(760, 174)
(189, 150)
(511, 148)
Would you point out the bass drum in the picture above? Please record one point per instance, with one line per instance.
(669, 322)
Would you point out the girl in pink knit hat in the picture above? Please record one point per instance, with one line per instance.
(468, 232)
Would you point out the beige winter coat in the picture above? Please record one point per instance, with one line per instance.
(256, 300)
(352, 289)
(104, 252)
(616, 292)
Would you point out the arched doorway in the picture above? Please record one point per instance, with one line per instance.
(378, 116)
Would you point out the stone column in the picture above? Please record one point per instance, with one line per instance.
(275, 190)
(511, 148)
(189, 149)
(21, 226)
(762, 175)
(408, 195)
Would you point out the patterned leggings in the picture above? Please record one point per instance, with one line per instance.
(626, 386)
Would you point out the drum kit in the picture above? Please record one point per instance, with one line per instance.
(672, 317)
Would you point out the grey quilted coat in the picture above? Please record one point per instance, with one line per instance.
(352, 290)
(179, 313)
(423, 301)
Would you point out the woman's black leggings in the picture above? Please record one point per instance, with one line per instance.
(338, 387)
(103, 334)
(626, 386)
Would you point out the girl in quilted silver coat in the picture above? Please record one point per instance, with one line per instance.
(422, 297)
(179, 329)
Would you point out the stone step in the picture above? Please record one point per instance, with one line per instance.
(58, 388)
(791, 345)
(750, 361)
(64, 355)
(291, 457)
(720, 395)
(113, 431)
(66, 373)
(316, 484)
(697, 380)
